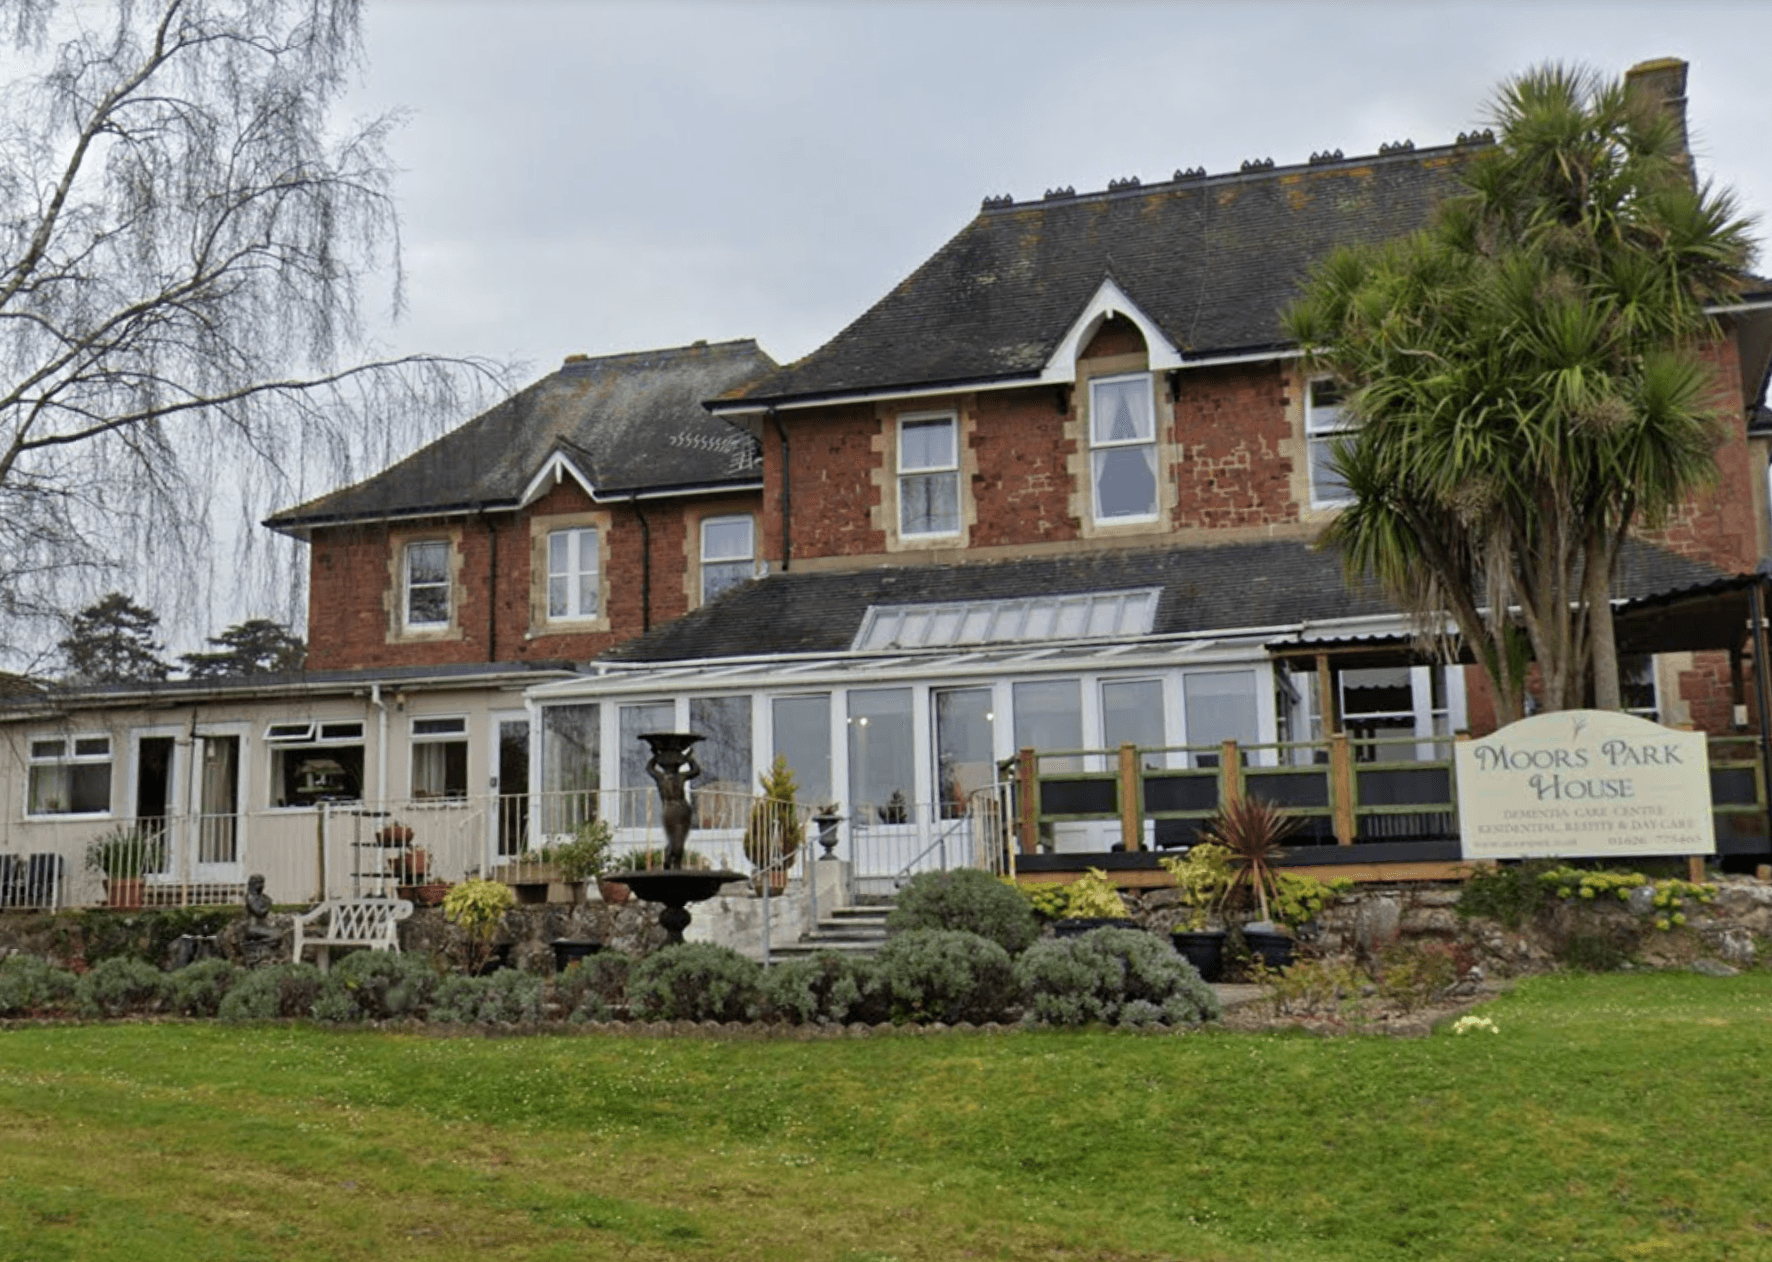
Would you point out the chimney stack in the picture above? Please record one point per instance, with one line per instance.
(1663, 80)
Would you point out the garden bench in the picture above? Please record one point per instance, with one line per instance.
(350, 922)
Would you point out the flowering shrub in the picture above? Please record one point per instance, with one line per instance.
(1470, 1022)
(1664, 907)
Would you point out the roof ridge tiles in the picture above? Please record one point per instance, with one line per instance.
(1250, 171)
(581, 360)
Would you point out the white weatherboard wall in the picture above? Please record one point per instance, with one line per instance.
(1588, 784)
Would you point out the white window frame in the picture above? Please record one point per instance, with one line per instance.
(908, 472)
(440, 730)
(287, 738)
(413, 622)
(733, 569)
(583, 560)
(1322, 426)
(1099, 447)
(69, 752)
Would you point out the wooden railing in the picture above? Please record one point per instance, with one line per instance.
(1344, 791)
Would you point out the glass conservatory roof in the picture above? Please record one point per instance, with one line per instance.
(1029, 619)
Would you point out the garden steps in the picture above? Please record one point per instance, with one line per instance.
(859, 930)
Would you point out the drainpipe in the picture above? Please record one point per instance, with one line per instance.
(381, 746)
(787, 496)
(491, 589)
(645, 564)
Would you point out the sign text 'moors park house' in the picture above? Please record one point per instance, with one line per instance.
(1585, 784)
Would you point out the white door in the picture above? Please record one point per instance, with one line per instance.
(214, 838)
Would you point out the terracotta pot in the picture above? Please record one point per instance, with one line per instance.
(613, 891)
(431, 895)
(124, 891)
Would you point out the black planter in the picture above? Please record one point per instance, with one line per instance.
(1276, 950)
(1077, 926)
(570, 950)
(1203, 948)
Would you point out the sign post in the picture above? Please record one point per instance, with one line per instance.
(1585, 784)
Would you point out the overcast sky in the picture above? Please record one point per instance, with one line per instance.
(600, 177)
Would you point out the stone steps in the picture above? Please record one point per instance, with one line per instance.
(853, 930)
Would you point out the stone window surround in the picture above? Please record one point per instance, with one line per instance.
(394, 598)
(540, 527)
(1080, 462)
(885, 474)
(692, 545)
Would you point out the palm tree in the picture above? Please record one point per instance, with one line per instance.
(1530, 378)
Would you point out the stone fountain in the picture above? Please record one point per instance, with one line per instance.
(672, 766)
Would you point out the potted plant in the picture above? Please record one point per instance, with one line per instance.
(411, 867)
(121, 856)
(1092, 902)
(772, 835)
(585, 857)
(1251, 831)
(394, 833)
(1202, 879)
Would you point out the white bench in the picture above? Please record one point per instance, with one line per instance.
(350, 922)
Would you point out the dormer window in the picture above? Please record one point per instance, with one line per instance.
(928, 476)
(1123, 448)
(1326, 420)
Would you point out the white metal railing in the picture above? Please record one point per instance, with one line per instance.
(892, 844)
(346, 849)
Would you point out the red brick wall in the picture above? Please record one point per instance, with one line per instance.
(350, 586)
(1722, 525)
(834, 491)
(1022, 490)
(1228, 427)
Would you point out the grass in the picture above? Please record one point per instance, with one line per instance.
(1616, 1117)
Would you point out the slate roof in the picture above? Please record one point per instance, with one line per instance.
(1212, 259)
(630, 423)
(1223, 588)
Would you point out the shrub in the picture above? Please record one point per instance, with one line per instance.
(376, 986)
(1112, 976)
(946, 975)
(478, 908)
(695, 982)
(505, 997)
(1093, 897)
(198, 989)
(827, 988)
(593, 989)
(1510, 893)
(967, 899)
(31, 986)
(120, 985)
(263, 994)
(1592, 953)
(1314, 986)
(1412, 975)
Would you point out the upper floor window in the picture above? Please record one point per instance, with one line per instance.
(1123, 448)
(427, 584)
(572, 573)
(70, 776)
(928, 476)
(1326, 419)
(728, 553)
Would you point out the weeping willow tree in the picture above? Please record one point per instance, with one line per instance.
(1530, 380)
(188, 240)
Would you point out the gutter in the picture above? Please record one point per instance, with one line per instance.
(787, 495)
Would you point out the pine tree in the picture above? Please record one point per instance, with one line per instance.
(112, 642)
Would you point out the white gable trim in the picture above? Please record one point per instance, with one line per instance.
(556, 469)
(1109, 301)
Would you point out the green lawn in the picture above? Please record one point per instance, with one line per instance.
(1618, 1117)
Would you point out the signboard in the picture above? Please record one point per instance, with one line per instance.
(1590, 784)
